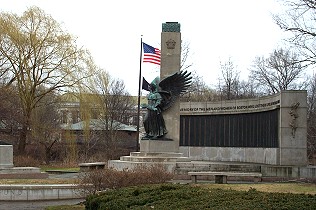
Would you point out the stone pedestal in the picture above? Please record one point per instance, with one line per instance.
(158, 146)
(6, 155)
(7, 169)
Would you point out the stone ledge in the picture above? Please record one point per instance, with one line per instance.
(84, 167)
(154, 159)
(20, 170)
(60, 172)
(157, 154)
(39, 192)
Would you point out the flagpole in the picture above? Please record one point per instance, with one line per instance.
(139, 89)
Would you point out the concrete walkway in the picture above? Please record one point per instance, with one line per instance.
(36, 205)
(39, 205)
(63, 176)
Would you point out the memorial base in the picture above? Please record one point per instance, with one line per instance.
(148, 159)
(159, 152)
(158, 145)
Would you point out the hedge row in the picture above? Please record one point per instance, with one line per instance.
(177, 196)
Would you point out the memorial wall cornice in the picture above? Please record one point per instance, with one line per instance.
(231, 106)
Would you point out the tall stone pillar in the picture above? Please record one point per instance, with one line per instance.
(170, 64)
(293, 128)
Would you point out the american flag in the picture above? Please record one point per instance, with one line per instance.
(151, 54)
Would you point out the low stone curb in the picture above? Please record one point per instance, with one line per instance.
(39, 192)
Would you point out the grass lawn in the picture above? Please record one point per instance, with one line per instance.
(38, 181)
(66, 207)
(58, 168)
(297, 188)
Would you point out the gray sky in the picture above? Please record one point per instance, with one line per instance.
(215, 31)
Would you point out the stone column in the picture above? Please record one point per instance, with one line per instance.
(170, 64)
(293, 128)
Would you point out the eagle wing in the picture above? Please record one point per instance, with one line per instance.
(172, 87)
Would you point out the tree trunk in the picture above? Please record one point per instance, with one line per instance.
(47, 154)
(22, 140)
(23, 134)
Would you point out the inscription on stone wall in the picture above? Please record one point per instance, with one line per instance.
(230, 108)
(11, 192)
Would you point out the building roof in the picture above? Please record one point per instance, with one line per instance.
(97, 124)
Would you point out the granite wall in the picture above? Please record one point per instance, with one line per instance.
(292, 129)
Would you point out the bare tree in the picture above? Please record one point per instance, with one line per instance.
(299, 20)
(229, 80)
(45, 124)
(115, 104)
(35, 52)
(198, 90)
(311, 118)
(185, 52)
(10, 111)
(280, 71)
(247, 89)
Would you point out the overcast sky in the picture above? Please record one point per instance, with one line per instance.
(215, 31)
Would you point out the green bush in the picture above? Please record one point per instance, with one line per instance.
(177, 196)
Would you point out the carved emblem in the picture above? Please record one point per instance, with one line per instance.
(171, 44)
(294, 115)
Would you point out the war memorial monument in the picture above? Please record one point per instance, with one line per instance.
(267, 135)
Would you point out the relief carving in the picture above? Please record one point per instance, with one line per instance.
(294, 116)
(171, 44)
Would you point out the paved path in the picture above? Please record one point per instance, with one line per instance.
(40, 205)
(35, 205)
(63, 176)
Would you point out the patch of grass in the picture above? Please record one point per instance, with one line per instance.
(38, 181)
(66, 207)
(72, 169)
(298, 188)
(177, 196)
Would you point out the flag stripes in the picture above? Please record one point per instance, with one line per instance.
(151, 54)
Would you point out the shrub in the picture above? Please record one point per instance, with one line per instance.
(99, 180)
(26, 161)
(177, 196)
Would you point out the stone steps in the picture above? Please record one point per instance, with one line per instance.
(156, 154)
(136, 159)
(180, 166)
(153, 159)
(123, 165)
